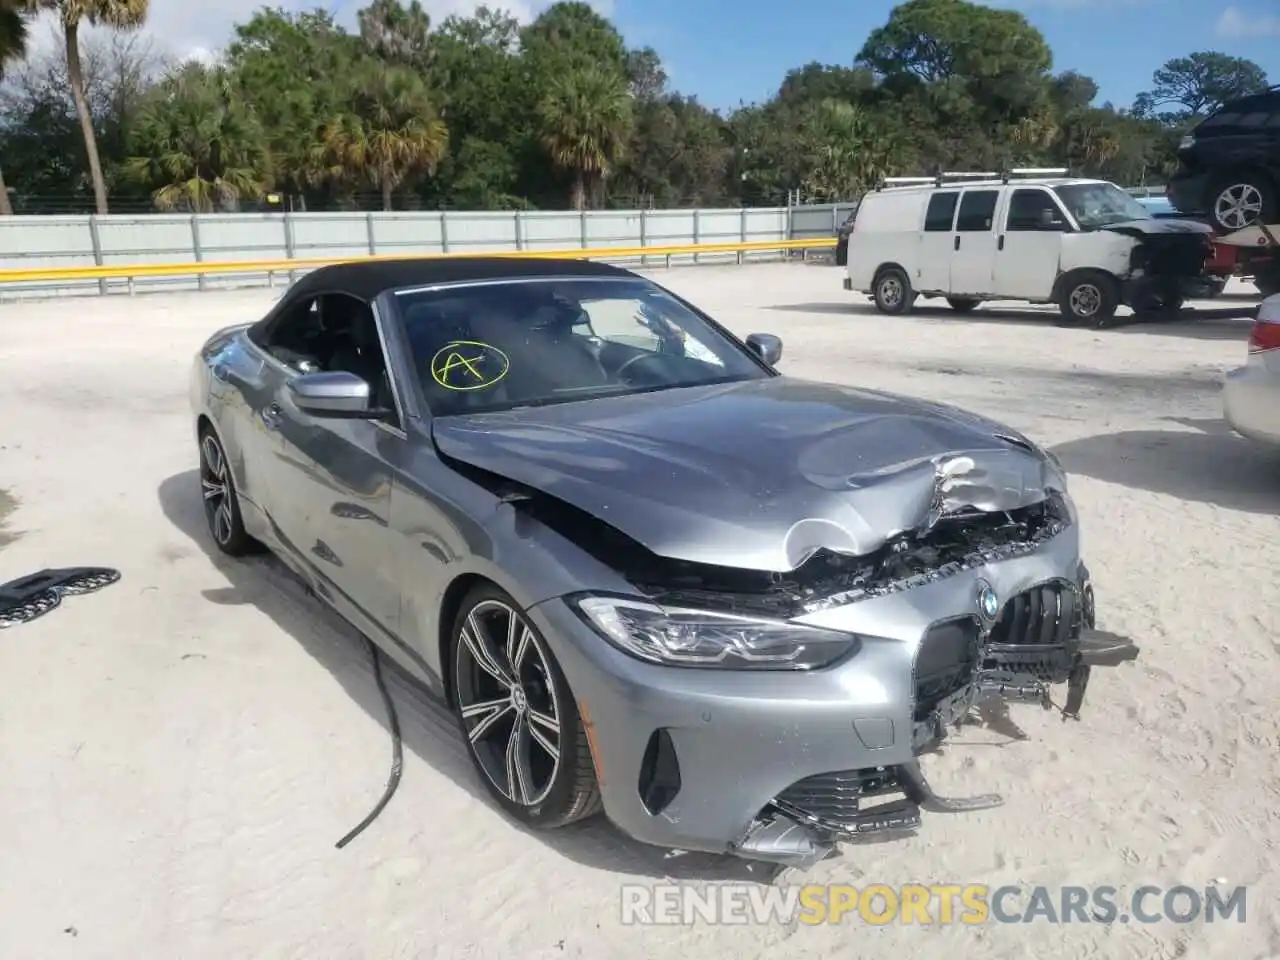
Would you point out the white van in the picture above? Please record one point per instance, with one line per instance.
(1085, 245)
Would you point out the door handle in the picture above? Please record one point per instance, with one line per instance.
(271, 416)
(1000, 242)
(957, 243)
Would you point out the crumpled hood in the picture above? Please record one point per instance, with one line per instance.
(760, 474)
(1160, 226)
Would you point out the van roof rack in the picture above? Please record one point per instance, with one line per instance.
(960, 176)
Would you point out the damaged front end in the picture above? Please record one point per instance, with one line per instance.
(1167, 264)
(1040, 638)
(941, 522)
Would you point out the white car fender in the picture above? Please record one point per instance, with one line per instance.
(1103, 250)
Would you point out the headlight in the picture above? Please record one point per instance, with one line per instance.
(679, 637)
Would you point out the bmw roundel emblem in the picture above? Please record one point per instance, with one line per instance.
(988, 601)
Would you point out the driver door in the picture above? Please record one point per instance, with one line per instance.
(331, 481)
(1030, 246)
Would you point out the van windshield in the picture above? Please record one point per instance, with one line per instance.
(1097, 205)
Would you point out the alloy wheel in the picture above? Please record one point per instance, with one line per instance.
(890, 291)
(215, 486)
(508, 703)
(1238, 206)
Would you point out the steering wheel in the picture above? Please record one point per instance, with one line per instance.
(637, 359)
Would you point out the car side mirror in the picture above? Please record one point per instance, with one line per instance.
(334, 394)
(766, 346)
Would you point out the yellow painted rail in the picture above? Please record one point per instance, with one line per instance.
(205, 268)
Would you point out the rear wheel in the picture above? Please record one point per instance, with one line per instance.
(963, 304)
(892, 291)
(1088, 299)
(518, 716)
(1240, 201)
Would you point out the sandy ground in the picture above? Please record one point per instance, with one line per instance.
(180, 752)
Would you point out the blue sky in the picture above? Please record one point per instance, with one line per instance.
(730, 50)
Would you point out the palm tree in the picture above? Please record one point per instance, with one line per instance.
(389, 131)
(198, 145)
(13, 46)
(117, 14)
(847, 152)
(586, 119)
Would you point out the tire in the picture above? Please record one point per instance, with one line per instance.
(842, 253)
(963, 304)
(556, 782)
(221, 501)
(1236, 202)
(1088, 299)
(892, 292)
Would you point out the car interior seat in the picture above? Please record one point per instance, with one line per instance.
(357, 348)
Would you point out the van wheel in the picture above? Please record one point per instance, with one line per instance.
(963, 304)
(1089, 300)
(1240, 201)
(893, 293)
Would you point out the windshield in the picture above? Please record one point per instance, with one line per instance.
(1100, 204)
(531, 343)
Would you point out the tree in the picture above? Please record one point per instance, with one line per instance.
(644, 72)
(815, 82)
(389, 131)
(570, 36)
(1197, 85)
(488, 103)
(294, 72)
(586, 118)
(117, 14)
(847, 151)
(396, 33)
(197, 146)
(13, 46)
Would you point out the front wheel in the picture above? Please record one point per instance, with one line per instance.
(517, 715)
(1089, 299)
(221, 504)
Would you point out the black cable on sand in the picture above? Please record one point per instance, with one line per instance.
(397, 748)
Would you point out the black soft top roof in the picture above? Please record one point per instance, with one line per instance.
(367, 279)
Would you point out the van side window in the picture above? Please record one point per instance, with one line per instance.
(977, 210)
(1027, 210)
(942, 210)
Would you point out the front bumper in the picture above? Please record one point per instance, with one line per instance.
(1249, 403)
(779, 766)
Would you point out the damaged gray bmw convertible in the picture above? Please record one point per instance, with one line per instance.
(649, 574)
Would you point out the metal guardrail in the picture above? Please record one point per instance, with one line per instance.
(131, 272)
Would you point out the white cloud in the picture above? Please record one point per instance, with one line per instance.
(196, 29)
(1236, 24)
